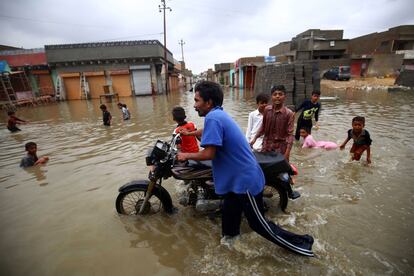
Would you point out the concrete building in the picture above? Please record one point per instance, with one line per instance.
(245, 71)
(127, 67)
(326, 46)
(185, 76)
(29, 75)
(222, 73)
(383, 53)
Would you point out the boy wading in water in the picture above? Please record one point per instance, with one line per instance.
(106, 116)
(361, 137)
(277, 128)
(13, 121)
(31, 158)
(125, 112)
(310, 108)
(278, 125)
(255, 121)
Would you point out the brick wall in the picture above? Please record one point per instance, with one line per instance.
(299, 79)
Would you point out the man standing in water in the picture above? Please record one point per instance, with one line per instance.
(237, 175)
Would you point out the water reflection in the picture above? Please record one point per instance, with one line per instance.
(61, 217)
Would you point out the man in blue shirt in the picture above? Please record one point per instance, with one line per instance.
(237, 175)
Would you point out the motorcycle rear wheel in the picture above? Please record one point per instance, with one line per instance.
(130, 202)
(279, 196)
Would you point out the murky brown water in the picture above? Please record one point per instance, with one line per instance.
(60, 219)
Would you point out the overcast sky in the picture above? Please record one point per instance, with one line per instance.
(214, 31)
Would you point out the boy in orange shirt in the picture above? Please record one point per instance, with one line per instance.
(188, 143)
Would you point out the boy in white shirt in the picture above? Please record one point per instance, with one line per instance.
(255, 121)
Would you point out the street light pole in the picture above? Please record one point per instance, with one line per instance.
(181, 42)
(163, 7)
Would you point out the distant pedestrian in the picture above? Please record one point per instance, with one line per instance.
(310, 109)
(309, 142)
(106, 116)
(125, 112)
(13, 121)
(255, 121)
(361, 137)
(31, 158)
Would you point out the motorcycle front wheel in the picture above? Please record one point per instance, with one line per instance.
(130, 202)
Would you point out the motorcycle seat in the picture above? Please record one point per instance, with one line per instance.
(273, 162)
(206, 164)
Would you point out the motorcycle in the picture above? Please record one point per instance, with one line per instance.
(145, 197)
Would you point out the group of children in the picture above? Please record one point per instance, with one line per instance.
(270, 127)
(107, 117)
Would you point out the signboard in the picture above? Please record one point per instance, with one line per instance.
(269, 59)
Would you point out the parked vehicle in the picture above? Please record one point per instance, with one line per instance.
(338, 73)
(146, 197)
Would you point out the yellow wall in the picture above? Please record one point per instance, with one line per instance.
(121, 84)
(72, 88)
(96, 84)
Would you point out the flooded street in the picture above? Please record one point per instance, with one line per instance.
(60, 219)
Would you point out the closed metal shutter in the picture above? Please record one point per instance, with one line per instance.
(96, 84)
(72, 88)
(141, 76)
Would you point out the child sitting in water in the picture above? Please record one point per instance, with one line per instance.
(31, 158)
(309, 142)
(361, 137)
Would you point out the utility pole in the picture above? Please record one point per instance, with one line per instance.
(163, 7)
(181, 42)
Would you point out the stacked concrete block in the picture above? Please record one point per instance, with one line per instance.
(298, 79)
(406, 78)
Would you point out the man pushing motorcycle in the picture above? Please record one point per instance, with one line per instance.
(237, 175)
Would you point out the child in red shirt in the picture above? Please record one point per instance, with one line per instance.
(188, 143)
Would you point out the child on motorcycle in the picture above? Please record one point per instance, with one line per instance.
(188, 142)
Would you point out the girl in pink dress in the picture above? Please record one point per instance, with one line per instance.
(309, 142)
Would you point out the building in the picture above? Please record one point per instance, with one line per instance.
(383, 53)
(326, 46)
(185, 76)
(245, 71)
(127, 67)
(222, 73)
(28, 77)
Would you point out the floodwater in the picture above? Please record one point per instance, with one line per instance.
(60, 219)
